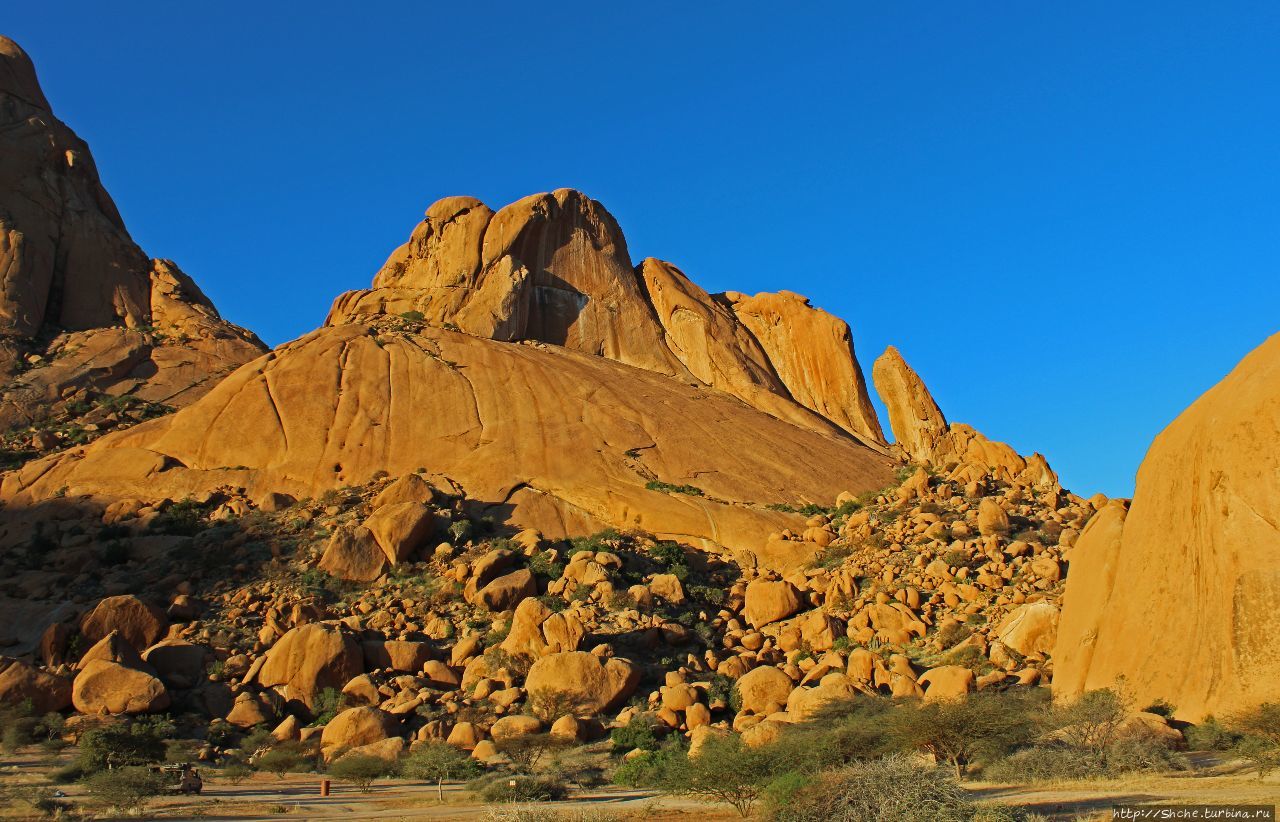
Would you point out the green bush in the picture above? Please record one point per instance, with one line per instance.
(521, 789)
(140, 742)
(638, 733)
(542, 565)
(708, 594)
(667, 553)
(127, 788)
(236, 772)
(328, 704)
(893, 789)
(279, 761)
(1058, 761)
(672, 488)
(361, 770)
(184, 518)
(412, 316)
(649, 769)
(1210, 735)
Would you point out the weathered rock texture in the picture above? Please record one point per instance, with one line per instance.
(1180, 596)
(519, 354)
(554, 268)
(925, 437)
(83, 310)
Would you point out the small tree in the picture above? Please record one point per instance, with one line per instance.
(126, 788)
(725, 770)
(439, 761)
(526, 750)
(958, 731)
(114, 746)
(360, 770)
(278, 761)
(1093, 720)
(1259, 731)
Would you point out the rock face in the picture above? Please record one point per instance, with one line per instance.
(83, 311)
(581, 682)
(561, 441)
(554, 268)
(308, 659)
(925, 437)
(20, 682)
(138, 623)
(1180, 595)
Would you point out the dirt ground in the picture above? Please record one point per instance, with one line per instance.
(297, 796)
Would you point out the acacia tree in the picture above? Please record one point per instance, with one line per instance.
(959, 731)
(439, 761)
(724, 770)
(1259, 730)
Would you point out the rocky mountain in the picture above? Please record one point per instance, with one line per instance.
(521, 483)
(1178, 593)
(521, 355)
(94, 335)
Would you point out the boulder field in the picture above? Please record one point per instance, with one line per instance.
(523, 483)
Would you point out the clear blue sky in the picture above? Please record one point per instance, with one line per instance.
(1065, 215)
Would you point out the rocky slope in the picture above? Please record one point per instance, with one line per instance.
(1179, 593)
(518, 484)
(93, 334)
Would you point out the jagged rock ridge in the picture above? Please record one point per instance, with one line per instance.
(555, 268)
(923, 436)
(83, 311)
(520, 354)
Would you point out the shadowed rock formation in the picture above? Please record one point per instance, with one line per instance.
(83, 311)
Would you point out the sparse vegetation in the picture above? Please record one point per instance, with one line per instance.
(672, 488)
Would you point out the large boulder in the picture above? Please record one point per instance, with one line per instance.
(20, 682)
(140, 624)
(308, 659)
(400, 528)
(402, 655)
(353, 554)
(582, 683)
(508, 590)
(763, 690)
(1030, 629)
(537, 630)
(1180, 595)
(768, 602)
(947, 682)
(104, 687)
(178, 664)
(355, 727)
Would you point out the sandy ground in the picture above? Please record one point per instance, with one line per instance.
(297, 796)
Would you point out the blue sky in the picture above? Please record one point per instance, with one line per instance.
(1064, 215)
